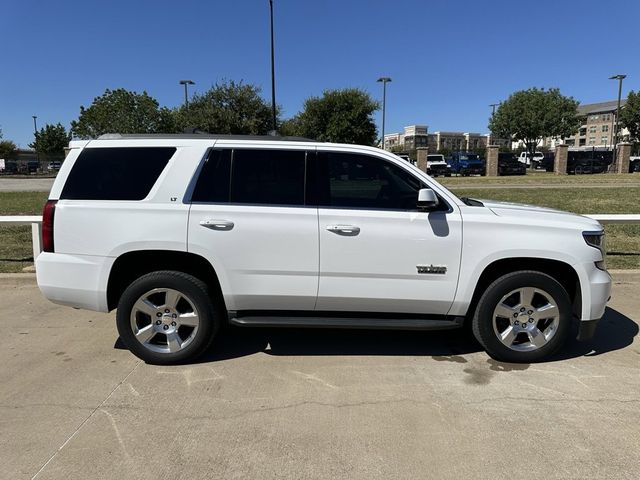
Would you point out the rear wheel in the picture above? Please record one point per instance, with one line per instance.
(166, 317)
(523, 317)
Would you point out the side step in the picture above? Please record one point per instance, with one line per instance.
(420, 323)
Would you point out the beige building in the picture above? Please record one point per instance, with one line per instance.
(416, 136)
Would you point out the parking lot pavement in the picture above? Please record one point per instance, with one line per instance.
(26, 184)
(307, 404)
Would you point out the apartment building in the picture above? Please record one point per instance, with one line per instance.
(416, 136)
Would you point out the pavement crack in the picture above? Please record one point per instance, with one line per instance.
(82, 424)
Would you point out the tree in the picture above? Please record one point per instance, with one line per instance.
(630, 116)
(344, 116)
(51, 141)
(534, 114)
(227, 108)
(122, 111)
(8, 149)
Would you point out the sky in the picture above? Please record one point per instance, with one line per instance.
(448, 60)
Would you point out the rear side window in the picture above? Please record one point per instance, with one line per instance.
(115, 173)
(272, 177)
(258, 177)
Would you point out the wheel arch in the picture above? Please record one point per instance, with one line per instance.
(564, 273)
(132, 265)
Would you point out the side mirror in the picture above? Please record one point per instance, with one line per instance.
(427, 199)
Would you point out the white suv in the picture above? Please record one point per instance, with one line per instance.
(184, 233)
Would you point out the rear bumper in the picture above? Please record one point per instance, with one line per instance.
(78, 281)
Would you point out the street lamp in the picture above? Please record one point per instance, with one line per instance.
(615, 137)
(35, 136)
(384, 81)
(186, 98)
(273, 75)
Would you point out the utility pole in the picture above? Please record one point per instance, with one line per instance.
(384, 81)
(273, 76)
(493, 112)
(35, 136)
(617, 129)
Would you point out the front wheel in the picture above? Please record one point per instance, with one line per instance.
(523, 317)
(166, 317)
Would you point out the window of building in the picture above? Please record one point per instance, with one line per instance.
(116, 173)
(360, 181)
(605, 128)
(604, 140)
(592, 129)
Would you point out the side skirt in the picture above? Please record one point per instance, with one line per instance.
(365, 320)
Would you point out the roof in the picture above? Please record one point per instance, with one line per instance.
(601, 107)
(201, 136)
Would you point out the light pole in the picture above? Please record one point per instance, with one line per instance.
(615, 133)
(384, 81)
(35, 136)
(186, 95)
(493, 112)
(273, 75)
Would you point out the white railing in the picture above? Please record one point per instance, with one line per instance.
(36, 224)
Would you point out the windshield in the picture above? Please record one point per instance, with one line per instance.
(468, 157)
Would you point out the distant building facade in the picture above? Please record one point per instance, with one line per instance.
(416, 136)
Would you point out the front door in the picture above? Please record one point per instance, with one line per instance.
(378, 253)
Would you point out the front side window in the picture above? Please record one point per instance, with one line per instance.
(361, 181)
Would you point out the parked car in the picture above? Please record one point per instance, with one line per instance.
(464, 163)
(634, 164)
(508, 164)
(32, 166)
(10, 167)
(185, 233)
(54, 165)
(437, 166)
(588, 161)
(525, 158)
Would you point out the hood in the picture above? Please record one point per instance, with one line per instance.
(550, 215)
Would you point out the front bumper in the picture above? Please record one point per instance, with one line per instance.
(587, 329)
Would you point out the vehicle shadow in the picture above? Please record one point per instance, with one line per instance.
(615, 331)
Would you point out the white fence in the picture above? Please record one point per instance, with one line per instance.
(36, 224)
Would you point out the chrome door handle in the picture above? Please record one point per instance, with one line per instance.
(346, 230)
(217, 224)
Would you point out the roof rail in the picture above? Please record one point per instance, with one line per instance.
(201, 135)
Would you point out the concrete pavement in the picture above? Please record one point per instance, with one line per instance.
(309, 404)
(26, 184)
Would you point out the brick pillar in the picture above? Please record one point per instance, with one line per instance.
(492, 160)
(623, 157)
(560, 161)
(421, 162)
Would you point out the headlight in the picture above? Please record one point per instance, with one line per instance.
(595, 239)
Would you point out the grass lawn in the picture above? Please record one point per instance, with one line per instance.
(623, 241)
(547, 178)
(15, 242)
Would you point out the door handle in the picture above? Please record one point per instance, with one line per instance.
(217, 224)
(346, 230)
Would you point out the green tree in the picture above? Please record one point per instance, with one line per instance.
(630, 116)
(344, 116)
(8, 149)
(51, 141)
(227, 108)
(122, 111)
(534, 114)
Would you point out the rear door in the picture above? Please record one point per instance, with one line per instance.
(378, 253)
(250, 220)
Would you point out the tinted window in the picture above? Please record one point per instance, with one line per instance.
(213, 182)
(360, 181)
(272, 177)
(115, 173)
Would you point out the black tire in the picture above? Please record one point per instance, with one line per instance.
(194, 291)
(483, 321)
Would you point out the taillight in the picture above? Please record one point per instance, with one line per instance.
(47, 225)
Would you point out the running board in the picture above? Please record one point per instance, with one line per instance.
(422, 323)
